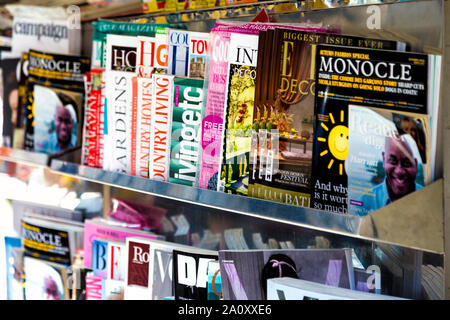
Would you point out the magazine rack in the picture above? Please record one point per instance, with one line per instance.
(414, 224)
(395, 17)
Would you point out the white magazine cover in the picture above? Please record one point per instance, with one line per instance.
(141, 120)
(117, 260)
(44, 280)
(178, 52)
(118, 86)
(243, 52)
(161, 125)
(297, 289)
(198, 54)
(121, 53)
(54, 28)
(145, 58)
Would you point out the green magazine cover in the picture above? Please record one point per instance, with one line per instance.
(186, 131)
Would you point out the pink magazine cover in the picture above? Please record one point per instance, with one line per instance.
(99, 229)
(212, 124)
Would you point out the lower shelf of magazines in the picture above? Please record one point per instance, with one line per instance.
(415, 221)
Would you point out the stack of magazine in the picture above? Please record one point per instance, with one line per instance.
(124, 257)
(292, 113)
(323, 120)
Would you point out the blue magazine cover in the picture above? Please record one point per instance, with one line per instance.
(387, 157)
(56, 119)
(100, 257)
(13, 257)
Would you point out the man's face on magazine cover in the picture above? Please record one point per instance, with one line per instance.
(400, 167)
(63, 125)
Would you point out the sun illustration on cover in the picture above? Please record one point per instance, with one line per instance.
(337, 141)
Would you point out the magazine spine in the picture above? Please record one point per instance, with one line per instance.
(161, 120)
(179, 52)
(212, 124)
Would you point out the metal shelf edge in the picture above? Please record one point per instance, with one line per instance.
(346, 225)
(307, 217)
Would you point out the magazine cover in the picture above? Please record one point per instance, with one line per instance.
(58, 123)
(162, 274)
(162, 50)
(98, 288)
(261, 71)
(245, 272)
(57, 119)
(118, 86)
(214, 281)
(188, 53)
(150, 269)
(161, 122)
(95, 287)
(393, 81)
(190, 272)
(103, 229)
(85, 128)
(179, 46)
(216, 82)
(137, 281)
(51, 239)
(153, 54)
(116, 261)
(100, 258)
(212, 123)
(19, 132)
(45, 31)
(141, 124)
(185, 148)
(14, 268)
(145, 60)
(198, 55)
(387, 157)
(44, 280)
(11, 112)
(287, 113)
(104, 27)
(93, 150)
(239, 106)
(121, 53)
(297, 289)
